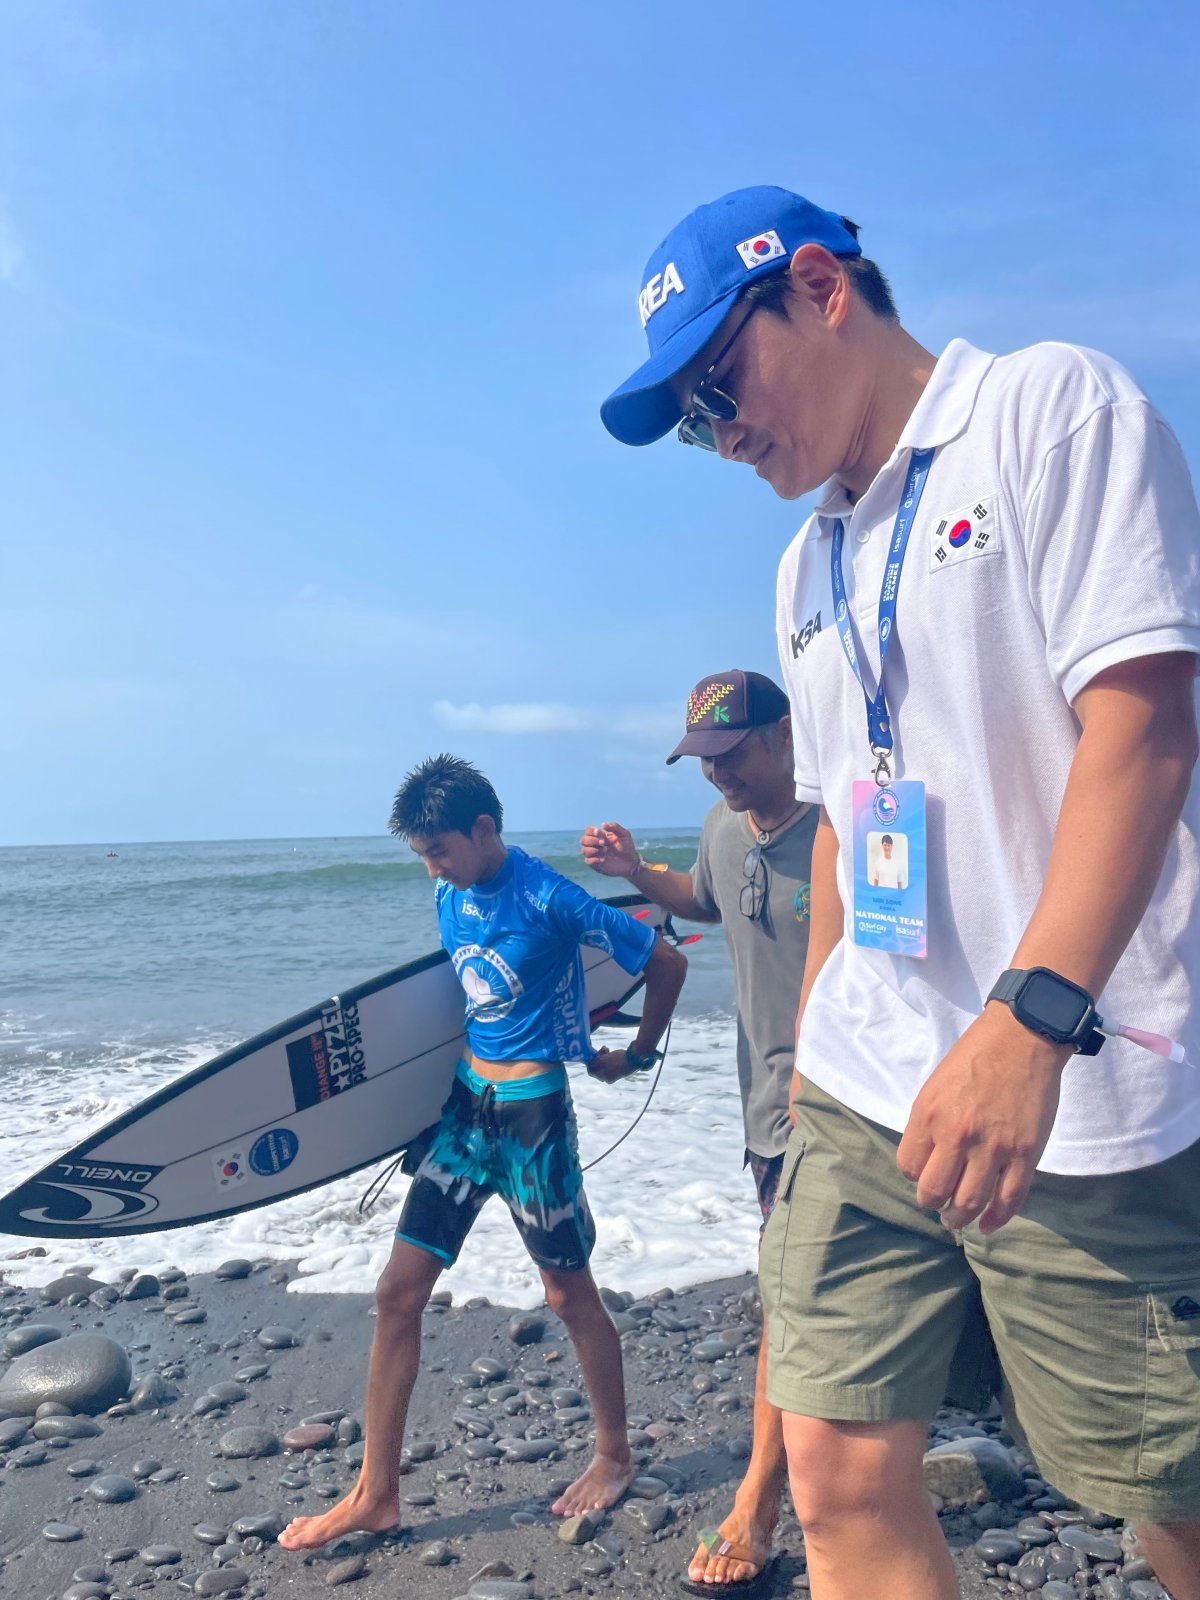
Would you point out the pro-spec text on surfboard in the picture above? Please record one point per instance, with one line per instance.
(329, 1060)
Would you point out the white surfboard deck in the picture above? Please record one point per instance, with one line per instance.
(330, 1090)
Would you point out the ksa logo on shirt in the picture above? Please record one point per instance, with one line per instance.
(490, 984)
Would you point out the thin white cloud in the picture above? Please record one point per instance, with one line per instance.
(529, 717)
(545, 716)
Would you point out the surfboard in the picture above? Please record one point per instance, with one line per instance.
(335, 1088)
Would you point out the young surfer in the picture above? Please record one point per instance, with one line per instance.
(513, 928)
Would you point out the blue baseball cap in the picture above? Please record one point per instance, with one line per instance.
(694, 277)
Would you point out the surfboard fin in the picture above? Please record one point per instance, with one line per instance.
(616, 1019)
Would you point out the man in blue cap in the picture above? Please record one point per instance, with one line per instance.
(1026, 720)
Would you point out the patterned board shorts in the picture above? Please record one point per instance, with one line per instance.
(516, 1139)
(765, 1171)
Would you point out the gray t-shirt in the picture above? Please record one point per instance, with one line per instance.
(768, 957)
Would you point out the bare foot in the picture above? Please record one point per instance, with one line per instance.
(354, 1514)
(602, 1485)
(747, 1537)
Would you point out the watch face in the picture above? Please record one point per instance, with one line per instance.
(1052, 1004)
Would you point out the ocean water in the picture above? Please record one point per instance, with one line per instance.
(119, 973)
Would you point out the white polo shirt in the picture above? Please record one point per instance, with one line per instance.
(1058, 535)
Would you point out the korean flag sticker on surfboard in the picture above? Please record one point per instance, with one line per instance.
(760, 247)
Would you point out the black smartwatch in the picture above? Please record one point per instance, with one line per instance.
(1051, 1006)
(637, 1063)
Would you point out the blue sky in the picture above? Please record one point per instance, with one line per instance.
(307, 310)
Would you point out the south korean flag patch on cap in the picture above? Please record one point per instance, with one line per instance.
(760, 247)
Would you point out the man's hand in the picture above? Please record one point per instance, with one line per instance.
(981, 1122)
(610, 1066)
(609, 849)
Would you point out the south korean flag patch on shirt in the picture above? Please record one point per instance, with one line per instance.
(958, 536)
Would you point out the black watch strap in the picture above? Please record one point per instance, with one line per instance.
(1008, 989)
(642, 1063)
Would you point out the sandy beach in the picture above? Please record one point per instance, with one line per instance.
(149, 1494)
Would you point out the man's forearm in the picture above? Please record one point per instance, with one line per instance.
(671, 890)
(665, 972)
(1126, 788)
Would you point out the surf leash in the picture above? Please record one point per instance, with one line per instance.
(661, 1064)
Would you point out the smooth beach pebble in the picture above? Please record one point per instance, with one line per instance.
(82, 1468)
(89, 1575)
(346, 1571)
(997, 1545)
(223, 1580)
(418, 1450)
(60, 1427)
(209, 1533)
(141, 1470)
(142, 1287)
(276, 1337)
(13, 1432)
(309, 1436)
(245, 1443)
(221, 1483)
(234, 1269)
(526, 1330)
(528, 1449)
(20, 1340)
(30, 1455)
(435, 1555)
(112, 1489)
(85, 1371)
(160, 1555)
(61, 1532)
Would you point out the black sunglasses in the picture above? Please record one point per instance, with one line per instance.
(710, 404)
(753, 898)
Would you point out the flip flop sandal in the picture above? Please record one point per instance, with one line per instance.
(744, 1588)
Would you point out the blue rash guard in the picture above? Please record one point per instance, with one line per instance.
(515, 944)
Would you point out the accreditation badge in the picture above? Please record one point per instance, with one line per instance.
(889, 866)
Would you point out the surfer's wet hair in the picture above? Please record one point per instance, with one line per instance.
(443, 795)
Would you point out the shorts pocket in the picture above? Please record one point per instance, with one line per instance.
(1170, 1443)
(774, 1259)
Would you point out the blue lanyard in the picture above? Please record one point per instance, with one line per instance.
(879, 726)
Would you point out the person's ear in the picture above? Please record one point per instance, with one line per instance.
(483, 829)
(820, 281)
(785, 730)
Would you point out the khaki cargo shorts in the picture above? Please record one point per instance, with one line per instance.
(876, 1312)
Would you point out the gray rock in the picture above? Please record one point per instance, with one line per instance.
(526, 1329)
(239, 1444)
(1114, 1588)
(152, 1391)
(577, 1530)
(112, 1489)
(82, 1468)
(13, 1432)
(145, 1468)
(1147, 1589)
(221, 1483)
(418, 1450)
(209, 1533)
(190, 1317)
(161, 1555)
(142, 1287)
(29, 1455)
(997, 1545)
(73, 1284)
(647, 1488)
(276, 1337)
(499, 1589)
(528, 1449)
(649, 1515)
(66, 1428)
(267, 1525)
(85, 1371)
(234, 1269)
(1096, 1546)
(18, 1341)
(222, 1580)
(61, 1532)
(437, 1554)
(490, 1370)
(972, 1469)
(346, 1571)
